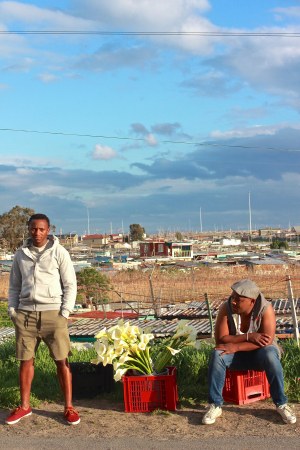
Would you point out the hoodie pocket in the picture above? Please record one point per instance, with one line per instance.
(44, 291)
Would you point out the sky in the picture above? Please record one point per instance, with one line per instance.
(178, 115)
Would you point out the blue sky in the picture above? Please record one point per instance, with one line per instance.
(172, 107)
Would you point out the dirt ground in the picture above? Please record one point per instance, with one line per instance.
(100, 418)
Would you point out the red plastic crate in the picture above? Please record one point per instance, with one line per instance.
(245, 386)
(145, 393)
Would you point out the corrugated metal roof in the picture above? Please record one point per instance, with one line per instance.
(195, 312)
(265, 261)
(6, 332)
(160, 328)
(200, 310)
(283, 306)
(88, 328)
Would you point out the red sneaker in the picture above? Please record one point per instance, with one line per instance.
(17, 414)
(71, 416)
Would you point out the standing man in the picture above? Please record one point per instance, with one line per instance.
(245, 340)
(42, 293)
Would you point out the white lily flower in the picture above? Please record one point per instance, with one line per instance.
(192, 337)
(101, 333)
(142, 346)
(136, 329)
(197, 345)
(116, 334)
(182, 324)
(123, 344)
(116, 365)
(119, 350)
(97, 360)
(173, 351)
(119, 373)
(107, 360)
(100, 348)
(145, 338)
(134, 348)
(123, 358)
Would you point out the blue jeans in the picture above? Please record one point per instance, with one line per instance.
(265, 358)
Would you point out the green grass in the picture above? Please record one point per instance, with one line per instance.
(291, 367)
(191, 367)
(45, 384)
(4, 319)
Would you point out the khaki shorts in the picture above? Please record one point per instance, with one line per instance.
(32, 327)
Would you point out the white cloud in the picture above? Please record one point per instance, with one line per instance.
(142, 14)
(140, 130)
(249, 132)
(151, 140)
(20, 65)
(264, 62)
(153, 15)
(292, 11)
(31, 14)
(30, 161)
(47, 77)
(104, 152)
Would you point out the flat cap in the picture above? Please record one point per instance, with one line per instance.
(246, 288)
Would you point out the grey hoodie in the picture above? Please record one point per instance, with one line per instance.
(42, 282)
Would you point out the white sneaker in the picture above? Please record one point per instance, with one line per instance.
(286, 413)
(212, 414)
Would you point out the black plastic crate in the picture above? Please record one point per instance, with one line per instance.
(90, 380)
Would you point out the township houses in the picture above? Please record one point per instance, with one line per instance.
(69, 239)
(166, 249)
(97, 240)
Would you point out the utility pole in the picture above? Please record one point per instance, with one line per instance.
(293, 308)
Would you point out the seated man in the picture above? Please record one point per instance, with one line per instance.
(245, 340)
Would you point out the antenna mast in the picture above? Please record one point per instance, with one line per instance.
(250, 218)
(88, 220)
(200, 220)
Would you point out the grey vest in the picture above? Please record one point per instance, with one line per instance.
(256, 317)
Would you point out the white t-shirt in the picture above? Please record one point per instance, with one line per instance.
(237, 321)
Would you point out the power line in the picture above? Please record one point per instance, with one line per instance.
(122, 138)
(61, 133)
(151, 33)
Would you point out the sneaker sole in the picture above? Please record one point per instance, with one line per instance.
(8, 422)
(74, 423)
(212, 421)
(289, 421)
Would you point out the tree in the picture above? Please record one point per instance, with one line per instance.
(276, 244)
(93, 285)
(136, 232)
(178, 236)
(13, 226)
